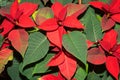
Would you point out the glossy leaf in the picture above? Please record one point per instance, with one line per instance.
(38, 47)
(93, 28)
(19, 40)
(68, 67)
(75, 43)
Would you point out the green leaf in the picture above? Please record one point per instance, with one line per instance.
(62, 1)
(75, 43)
(80, 74)
(27, 72)
(33, 1)
(93, 76)
(110, 78)
(93, 28)
(37, 48)
(13, 70)
(1, 40)
(42, 67)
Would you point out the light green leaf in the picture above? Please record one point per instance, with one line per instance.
(37, 48)
(75, 43)
(42, 67)
(93, 28)
(80, 74)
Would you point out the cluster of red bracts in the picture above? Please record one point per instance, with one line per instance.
(14, 26)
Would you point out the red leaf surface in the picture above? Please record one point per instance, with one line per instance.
(28, 8)
(49, 25)
(48, 77)
(4, 57)
(112, 66)
(75, 9)
(62, 14)
(107, 23)
(89, 43)
(116, 17)
(26, 22)
(14, 8)
(96, 56)
(57, 7)
(72, 22)
(97, 4)
(19, 40)
(109, 40)
(68, 67)
(6, 26)
(55, 37)
(57, 59)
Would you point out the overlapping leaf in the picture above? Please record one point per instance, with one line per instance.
(37, 49)
(75, 43)
(19, 40)
(92, 24)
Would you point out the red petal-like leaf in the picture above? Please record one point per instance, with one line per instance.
(75, 9)
(5, 44)
(89, 43)
(60, 77)
(57, 7)
(112, 66)
(97, 4)
(62, 14)
(57, 59)
(25, 22)
(96, 56)
(6, 26)
(109, 40)
(55, 37)
(107, 23)
(4, 57)
(28, 8)
(49, 25)
(48, 77)
(68, 67)
(19, 40)
(14, 8)
(72, 22)
(116, 17)
(114, 6)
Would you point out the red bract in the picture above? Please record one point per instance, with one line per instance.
(109, 44)
(19, 15)
(52, 77)
(55, 26)
(112, 13)
(66, 63)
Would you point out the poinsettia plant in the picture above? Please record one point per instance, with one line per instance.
(60, 39)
